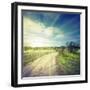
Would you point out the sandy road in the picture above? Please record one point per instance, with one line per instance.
(43, 66)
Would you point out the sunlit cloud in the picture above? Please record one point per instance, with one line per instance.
(35, 33)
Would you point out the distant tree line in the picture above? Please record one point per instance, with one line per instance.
(72, 46)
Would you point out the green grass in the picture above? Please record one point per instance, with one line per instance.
(70, 62)
(33, 54)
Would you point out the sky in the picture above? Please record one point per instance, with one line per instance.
(50, 29)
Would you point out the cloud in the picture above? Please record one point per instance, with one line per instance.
(32, 26)
(37, 34)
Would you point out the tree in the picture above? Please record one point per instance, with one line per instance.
(72, 46)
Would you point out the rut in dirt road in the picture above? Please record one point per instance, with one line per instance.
(43, 66)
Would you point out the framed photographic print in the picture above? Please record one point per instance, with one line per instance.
(49, 44)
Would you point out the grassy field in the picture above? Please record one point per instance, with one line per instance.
(34, 53)
(69, 61)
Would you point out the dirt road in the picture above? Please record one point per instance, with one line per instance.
(43, 66)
